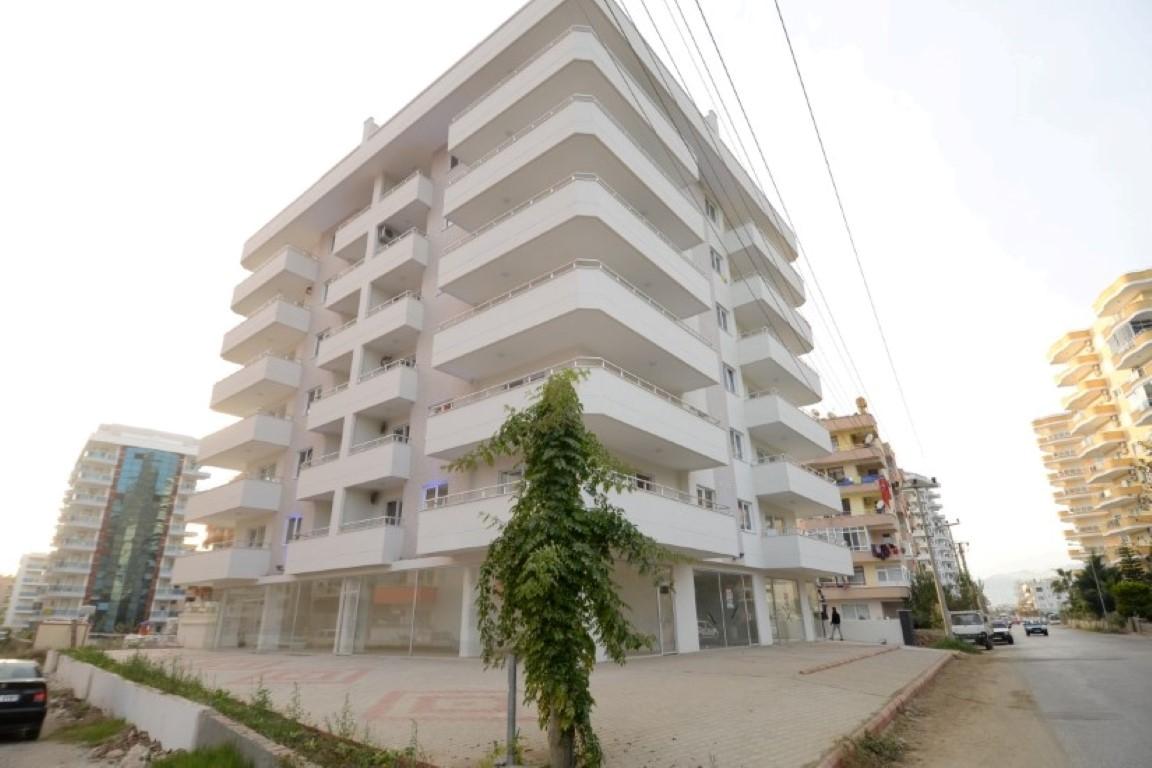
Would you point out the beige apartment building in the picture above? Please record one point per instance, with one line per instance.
(554, 201)
(1091, 447)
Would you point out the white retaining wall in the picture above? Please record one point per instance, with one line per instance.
(873, 631)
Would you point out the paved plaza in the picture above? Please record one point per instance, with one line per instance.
(757, 707)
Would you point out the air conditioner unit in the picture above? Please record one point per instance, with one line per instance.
(384, 234)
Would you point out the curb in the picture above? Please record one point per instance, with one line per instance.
(885, 716)
(849, 660)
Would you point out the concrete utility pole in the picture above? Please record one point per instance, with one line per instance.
(917, 488)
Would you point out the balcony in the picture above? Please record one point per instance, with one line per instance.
(246, 442)
(583, 306)
(290, 273)
(863, 485)
(577, 216)
(1054, 440)
(1102, 443)
(71, 567)
(796, 556)
(277, 327)
(460, 522)
(394, 266)
(79, 498)
(76, 545)
(782, 483)
(1140, 406)
(65, 591)
(1118, 497)
(1077, 369)
(221, 567)
(576, 61)
(771, 368)
(755, 302)
(1122, 291)
(632, 417)
(1107, 470)
(377, 464)
(84, 522)
(576, 136)
(262, 384)
(1122, 525)
(94, 478)
(1085, 393)
(773, 421)
(361, 544)
(384, 393)
(1132, 348)
(242, 500)
(386, 328)
(1068, 346)
(402, 206)
(853, 592)
(752, 252)
(1092, 418)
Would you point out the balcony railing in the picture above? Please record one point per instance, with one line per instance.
(408, 362)
(381, 248)
(317, 461)
(579, 363)
(371, 522)
(557, 273)
(389, 302)
(786, 459)
(376, 443)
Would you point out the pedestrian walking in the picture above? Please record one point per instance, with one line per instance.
(836, 625)
(823, 620)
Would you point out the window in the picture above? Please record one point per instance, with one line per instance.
(303, 460)
(401, 431)
(266, 472)
(393, 512)
(835, 473)
(705, 496)
(857, 576)
(855, 611)
(293, 531)
(434, 494)
(310, 397)
(509, 478)
(643, 481)
(857, 539)
(730, 379)
(835, 442)
(737, 440)
(891, 574)
(745, 510)
(722, 318)
(710, 210)
(256, 537)
(846, 506)
(717, 262)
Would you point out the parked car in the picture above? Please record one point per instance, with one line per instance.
(707, 631)
(1053, 619)
(1002, 632)
(1035, 627)
(973, 627)
(23, 698)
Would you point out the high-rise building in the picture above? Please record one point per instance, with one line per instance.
(1091, 447)
(931, 528)
(24, 603)
(1036, 596)
(872, 519)
(554, 201)
(121, 526)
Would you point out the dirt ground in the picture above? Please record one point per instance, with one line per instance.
(43, 753)
(977, 713)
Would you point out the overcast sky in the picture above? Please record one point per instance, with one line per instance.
(993, 159)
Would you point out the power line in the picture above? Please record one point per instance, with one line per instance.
(848, 229)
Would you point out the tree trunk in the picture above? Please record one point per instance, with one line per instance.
(561, 745)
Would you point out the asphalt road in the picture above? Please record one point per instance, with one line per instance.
(1093, 690)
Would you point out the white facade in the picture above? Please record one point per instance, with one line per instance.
(1037, 596)
(23, 603)
(553, 201)
(101, 558)
(932, 529)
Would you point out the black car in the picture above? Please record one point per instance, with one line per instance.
(1035, 627)
(1002, 632)
(23, 698)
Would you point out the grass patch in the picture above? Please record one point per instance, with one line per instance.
(91, 734)
(217, 757)
(320, 747)
(952, 644)
(874, 751)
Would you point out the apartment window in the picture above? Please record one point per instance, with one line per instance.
(737, 439)
(402, 432)
(293, 531)
(717, 262)
(266, 472)
(744, 508)
(857, 576)
(846, 506)
(393, 512)
(835, 473)
(643, 481)
(730, 379)
(434, 494)
(509, 478)
(303, 459)
(855, 611)
(891, 574)
(256, 537)
(835, 442)
(857, 539)
(705, 496)
(710, 210)
(722, 318)
(311, 396)
(319, 338)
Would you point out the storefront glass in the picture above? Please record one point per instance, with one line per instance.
(725, 613)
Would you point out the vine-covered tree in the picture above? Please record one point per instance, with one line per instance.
(546, 591)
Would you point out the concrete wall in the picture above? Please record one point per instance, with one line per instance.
(873, 631)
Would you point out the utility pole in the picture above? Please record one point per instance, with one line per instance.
(964, 560)
(918, 487)
(1099, 590)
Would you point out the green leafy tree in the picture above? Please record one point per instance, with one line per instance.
(546, 591)
(1091, 586)
(1129, 565)
(922, 601)
(1133, 598)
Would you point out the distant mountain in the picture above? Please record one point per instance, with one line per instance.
(1001, 587)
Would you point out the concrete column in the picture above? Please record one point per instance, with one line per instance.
(271, 617)
(337, 511)
(345, 640)
(806, 611)
(684, 594)
(760, 606)
(469, 632)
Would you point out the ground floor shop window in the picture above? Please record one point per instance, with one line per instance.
(784, 608)
(725, 613)
(855, 611)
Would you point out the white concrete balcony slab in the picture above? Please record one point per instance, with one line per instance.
(773, 421)
(630, 416)
(290, 273)
(1102, 443)
(574, 62)
(579, 215)
(384, 393)
(242, 500)
(387, 328)
(398, 263)
(757, 304)
(250, 440)
(461, 522)
(1134, 351)
(81, 522)
(583, 306)
(1078, 368)
(359, 545)
(277, 327)
(403, 206)
(575, 136)
(222, 566)
(751, 252)
(790, 486)
(261, 385)
(1118, 497)
(770, 367)
(796, 556)
(75, 544)
(375, 465)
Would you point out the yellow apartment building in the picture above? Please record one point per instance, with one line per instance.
(1091, 448)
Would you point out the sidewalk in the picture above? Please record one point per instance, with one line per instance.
(728, 709)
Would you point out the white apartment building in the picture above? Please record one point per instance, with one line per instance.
(553, 201)
(1036, 596)
(24, 601)
(932, 529)
(120, 528)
